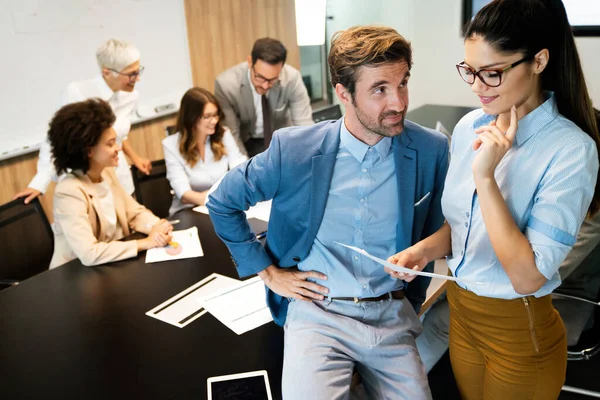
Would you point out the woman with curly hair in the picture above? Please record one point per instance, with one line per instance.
(92, 210)
(201, 151)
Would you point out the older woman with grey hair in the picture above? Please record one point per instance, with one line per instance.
(120, 70)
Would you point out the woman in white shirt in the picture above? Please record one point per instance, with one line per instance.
(201, 151)
(120, 69)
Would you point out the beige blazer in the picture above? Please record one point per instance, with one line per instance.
(288, 99)
(79, 228)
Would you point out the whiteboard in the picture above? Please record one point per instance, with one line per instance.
(45, 44)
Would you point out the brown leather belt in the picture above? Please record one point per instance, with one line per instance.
(395, 295)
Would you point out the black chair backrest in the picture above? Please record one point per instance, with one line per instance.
(170, 130)
(26, 240)
(327, 113)
(153, 191)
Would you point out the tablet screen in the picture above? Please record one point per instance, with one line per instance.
(247, 388)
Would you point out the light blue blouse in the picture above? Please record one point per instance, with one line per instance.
(547, 179)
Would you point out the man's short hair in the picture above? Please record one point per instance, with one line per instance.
(271, 51)
(117, 54)
(364, 46)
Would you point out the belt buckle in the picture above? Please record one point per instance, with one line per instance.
(356, 300)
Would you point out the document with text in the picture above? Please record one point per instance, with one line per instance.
(242, 307)
(183, 308)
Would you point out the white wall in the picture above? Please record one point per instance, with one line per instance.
(347, 13)
(433, 27)
(438, 46)
(47, 44)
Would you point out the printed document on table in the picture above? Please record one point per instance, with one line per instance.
(187, 239)
(260, 211)
(242, 307)
(183, 308)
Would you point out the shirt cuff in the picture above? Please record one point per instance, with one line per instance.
(40, 182)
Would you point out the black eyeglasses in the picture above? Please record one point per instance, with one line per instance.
(261, 79)
(132, 76)
(489, 76)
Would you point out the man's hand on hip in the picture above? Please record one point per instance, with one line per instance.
(292, 283)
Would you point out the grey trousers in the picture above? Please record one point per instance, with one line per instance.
(326, 340)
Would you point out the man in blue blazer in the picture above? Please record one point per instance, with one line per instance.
(371, 180)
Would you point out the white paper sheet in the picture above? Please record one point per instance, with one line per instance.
(409, 271)
(201, 209)
(183, 308)
(242, 307)
(260, 211)
(188, 240)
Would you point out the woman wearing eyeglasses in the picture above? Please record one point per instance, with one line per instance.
(201, 151)
(520, 182)
(120, 69)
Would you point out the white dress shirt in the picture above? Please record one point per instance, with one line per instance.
(259, 130)
(122, 104)
(107, 203)
(183, 177)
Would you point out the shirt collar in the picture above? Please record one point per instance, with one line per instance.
(531, 123)
(254, 93)
(106, 93)
(359, 149)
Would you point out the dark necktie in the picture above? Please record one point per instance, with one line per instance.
(267, 128)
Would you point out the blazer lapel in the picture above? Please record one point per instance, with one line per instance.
(119, 202)
(247, 109)
(323, 164)
(406, 174)
(274, 96)
(99, 219)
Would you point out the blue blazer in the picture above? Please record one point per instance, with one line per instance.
(295, 172)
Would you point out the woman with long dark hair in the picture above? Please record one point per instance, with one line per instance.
(521, 181)
(201, 151)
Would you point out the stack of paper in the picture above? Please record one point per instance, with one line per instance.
(183, 308)
(260, 211)
(242, 307)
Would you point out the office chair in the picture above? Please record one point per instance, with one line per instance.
(27, 241)
(588, 344)
(331, 112)
(169, 130)
(307, 80)
(153, 191)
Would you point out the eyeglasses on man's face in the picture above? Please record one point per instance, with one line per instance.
(491, 77)
(132, 75)
(261, 79)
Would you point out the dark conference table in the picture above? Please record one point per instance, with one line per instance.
(82, 332)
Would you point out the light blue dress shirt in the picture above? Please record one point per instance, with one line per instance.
(547, 179)
(362, 211)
